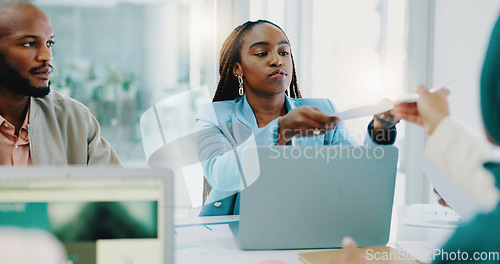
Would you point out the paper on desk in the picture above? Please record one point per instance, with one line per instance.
(221, 230)
(194, 233)
(432, 215)
(194, 255)
(454, 197)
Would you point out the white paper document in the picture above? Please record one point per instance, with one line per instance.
(454, 197)
(432, 215)
(194, 255)
(222, 230)
(380, 107)
(195, 233)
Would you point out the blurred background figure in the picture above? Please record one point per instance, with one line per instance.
(33, 246)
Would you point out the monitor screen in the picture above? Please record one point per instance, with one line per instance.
(113, 216)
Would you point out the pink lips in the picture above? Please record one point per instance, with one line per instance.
(278, 74)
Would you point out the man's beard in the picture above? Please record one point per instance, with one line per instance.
(12, 80)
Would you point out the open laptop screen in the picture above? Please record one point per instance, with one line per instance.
(102, 215)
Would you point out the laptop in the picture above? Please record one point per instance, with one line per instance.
(305, 197)
(100, 214)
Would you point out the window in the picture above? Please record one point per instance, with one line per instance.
(120, 57)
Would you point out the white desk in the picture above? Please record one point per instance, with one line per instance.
(197, 244)
(419, 237)
(194, 244)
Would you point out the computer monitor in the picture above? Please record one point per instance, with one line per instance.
(100, 214)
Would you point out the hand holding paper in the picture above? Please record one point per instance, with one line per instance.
(378, 108)
(407, 112)
(304, 121)
(431, 109)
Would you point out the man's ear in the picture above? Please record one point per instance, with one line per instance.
(237, 69)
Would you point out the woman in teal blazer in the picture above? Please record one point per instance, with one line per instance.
(258, 102)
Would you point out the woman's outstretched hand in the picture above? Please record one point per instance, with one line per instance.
(428, 111)
(304, 121)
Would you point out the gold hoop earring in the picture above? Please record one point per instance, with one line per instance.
(241, 91)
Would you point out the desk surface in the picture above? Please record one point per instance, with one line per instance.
(209, 240)
(379, 254)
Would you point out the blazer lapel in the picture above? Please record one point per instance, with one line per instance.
(243, 120)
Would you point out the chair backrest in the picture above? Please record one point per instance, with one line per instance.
(168, 135)
(206, 190)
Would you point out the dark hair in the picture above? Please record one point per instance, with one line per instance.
(490, 86)
(227, 89)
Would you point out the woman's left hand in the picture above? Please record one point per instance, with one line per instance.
(384, 120)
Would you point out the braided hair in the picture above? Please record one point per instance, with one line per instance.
(227, 89)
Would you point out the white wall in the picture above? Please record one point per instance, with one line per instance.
(461, 34)
(447, 40)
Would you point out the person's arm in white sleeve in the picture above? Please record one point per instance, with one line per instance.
(452, 148)
(459, 154)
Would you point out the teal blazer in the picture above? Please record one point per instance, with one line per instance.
(226, 127)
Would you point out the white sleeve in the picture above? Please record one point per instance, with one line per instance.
(460, 154)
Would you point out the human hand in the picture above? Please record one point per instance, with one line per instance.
(428, 111)
(441, 201)
(350, 254)
(304, 121)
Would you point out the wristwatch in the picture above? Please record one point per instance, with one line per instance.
(386, 119)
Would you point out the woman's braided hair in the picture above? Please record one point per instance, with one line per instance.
(227, 89)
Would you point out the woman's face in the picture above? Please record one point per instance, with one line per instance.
(266, 62)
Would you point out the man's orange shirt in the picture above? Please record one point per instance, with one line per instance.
(14, 150)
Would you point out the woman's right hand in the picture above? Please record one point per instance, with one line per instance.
(304, 121)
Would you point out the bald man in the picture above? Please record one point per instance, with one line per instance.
(39, 126)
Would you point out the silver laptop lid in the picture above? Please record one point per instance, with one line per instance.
(101, 214)
(313, 196)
